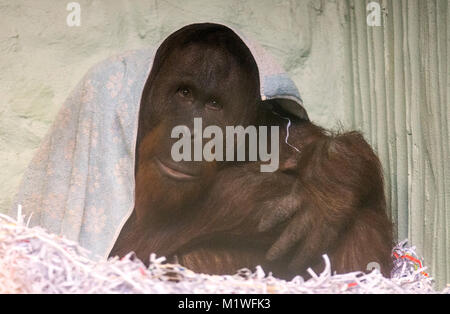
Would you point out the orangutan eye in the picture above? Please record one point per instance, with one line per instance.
(184, 92)
(214, 105)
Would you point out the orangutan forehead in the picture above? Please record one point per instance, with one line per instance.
(201, 59)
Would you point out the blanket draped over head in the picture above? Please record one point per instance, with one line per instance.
(81, 183)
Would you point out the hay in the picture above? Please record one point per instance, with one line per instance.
(35, 261)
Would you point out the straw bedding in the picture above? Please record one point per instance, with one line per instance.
(35, 261)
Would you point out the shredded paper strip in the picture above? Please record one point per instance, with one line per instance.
(35, 261)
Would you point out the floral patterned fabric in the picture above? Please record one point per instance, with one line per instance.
(81, 183)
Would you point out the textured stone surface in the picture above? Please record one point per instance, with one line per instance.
(398, 94)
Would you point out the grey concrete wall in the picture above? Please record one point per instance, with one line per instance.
(397, 93)
(391, 82)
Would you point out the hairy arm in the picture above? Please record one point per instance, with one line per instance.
(339, 181)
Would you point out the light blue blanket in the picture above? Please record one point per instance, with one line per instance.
(81, 182)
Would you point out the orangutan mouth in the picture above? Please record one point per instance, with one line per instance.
(172, 173)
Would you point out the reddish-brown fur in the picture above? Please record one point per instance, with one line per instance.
(327, 198)
(336, 183)
(342, 210)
